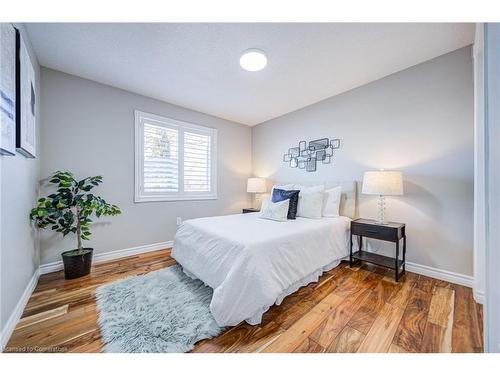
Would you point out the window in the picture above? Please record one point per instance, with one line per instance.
(174, 160)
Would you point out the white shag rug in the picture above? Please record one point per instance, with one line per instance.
(163, 311)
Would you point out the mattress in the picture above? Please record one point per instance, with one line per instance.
(253, 263)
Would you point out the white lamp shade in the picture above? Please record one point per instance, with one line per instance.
(383, 183)
(256, 185)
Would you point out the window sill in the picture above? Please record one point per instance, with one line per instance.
(173, 199)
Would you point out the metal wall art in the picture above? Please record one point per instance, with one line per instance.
(308, 156)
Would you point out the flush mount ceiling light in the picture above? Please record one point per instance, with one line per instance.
(253, 60)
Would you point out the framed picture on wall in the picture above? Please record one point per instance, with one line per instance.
(7, 89)
(26, 101)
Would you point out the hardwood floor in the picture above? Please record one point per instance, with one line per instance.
(348, 310)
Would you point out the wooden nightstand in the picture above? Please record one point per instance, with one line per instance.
(248, 210)
(392, 232)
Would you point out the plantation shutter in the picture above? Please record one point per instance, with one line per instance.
(197, 155)
(161, 161)
(175, 160)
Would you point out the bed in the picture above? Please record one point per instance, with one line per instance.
(252, 263)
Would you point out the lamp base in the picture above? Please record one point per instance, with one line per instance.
(256, 203)
(381, 210)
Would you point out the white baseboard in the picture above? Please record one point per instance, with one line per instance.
(479, 296)
(57, 266)
(436, 273)
(111, 255)
(18, 310)
(9, 327)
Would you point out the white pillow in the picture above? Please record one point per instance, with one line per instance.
(274, 211)
(332, 202)
(310, 201)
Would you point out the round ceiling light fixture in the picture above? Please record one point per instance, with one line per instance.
(253, 60)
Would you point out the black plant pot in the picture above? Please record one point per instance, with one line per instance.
(77, 264)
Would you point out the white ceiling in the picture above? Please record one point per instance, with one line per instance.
(197, 65)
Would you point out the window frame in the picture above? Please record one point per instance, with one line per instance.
(181, 127)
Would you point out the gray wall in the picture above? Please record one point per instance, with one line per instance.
(19, 257)
(89, 130)
(419, 121)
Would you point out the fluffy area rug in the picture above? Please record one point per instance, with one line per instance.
(162, 311)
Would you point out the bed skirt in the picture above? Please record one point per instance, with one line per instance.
(311, 278)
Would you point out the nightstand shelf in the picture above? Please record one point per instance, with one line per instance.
(392, 232)
(249, 210)
(379, 260)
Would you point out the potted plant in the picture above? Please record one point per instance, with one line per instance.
(67, 211)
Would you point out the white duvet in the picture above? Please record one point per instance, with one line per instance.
(253, 263)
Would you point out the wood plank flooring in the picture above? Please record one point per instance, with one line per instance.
(348, 310)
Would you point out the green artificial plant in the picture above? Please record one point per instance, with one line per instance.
(69, 209)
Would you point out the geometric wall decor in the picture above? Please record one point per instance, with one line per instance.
(307, 156)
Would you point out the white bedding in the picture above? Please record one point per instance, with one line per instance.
(253, 263)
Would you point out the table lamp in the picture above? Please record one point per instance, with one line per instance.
(256, 185)
(382, 183)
